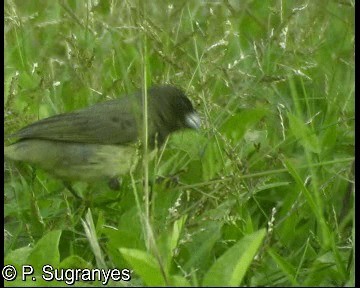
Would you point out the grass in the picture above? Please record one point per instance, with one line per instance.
(262, 195)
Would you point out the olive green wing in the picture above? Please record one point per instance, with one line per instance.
(110, 122)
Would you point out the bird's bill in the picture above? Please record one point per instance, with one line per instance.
(192, 120)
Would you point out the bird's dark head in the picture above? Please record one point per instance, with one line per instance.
(171, 110)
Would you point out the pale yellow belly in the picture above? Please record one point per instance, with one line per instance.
(75, 161)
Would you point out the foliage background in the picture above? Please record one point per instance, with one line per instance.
(274, 84)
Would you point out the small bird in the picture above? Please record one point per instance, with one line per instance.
(99, 142)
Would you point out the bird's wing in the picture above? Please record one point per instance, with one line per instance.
(110, 122)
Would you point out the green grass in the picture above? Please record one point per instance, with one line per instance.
(262, 195)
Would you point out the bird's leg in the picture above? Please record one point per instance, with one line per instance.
(72, 190)
(33, 174)
(170, 180)
(115, 183)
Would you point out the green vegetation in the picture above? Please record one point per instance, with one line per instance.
(262, 195)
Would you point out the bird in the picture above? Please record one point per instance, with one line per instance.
(101, 141)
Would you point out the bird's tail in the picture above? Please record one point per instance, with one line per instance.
(10, 152)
